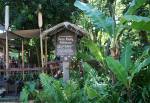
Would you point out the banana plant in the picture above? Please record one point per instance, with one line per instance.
(125, 69)
(107, 23)
(101, 21)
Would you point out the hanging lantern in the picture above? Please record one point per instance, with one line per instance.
(6, 17)
(40, 20)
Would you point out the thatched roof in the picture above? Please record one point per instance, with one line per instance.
(28, 33)
(11, 35)
(65, 25)
(19, 33)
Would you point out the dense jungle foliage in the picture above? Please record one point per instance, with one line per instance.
(118, 44)
(114, 56)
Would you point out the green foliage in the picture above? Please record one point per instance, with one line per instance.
(91, 93)
(120, 72)
(27, 92)
(23, 13)
(94, 49)
(52, 88)
(135, 4)
(126, 57)
(123, 70)
(138, 22)
(132, 72)
(98, 18)
(24, 95)
(140, 65)
(55, 91)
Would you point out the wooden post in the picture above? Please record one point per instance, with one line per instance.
(22, 54)
(65, 71)
(3, 53)
(41, 44)
(46, 51)
(23, 59)
(65, 67)
(7, 53)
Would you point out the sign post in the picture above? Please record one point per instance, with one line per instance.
(65, 49)
(65, 71)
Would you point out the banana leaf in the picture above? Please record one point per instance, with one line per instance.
(118, 69)
(138, 22)
(97, 17)
(126, 56)
(142, 64)
(92, 93)
(135, 4)
(95, 50)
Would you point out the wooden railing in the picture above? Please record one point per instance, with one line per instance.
(51, 66)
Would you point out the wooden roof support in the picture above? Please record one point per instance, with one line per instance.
(7, 53)
(46, 51)
(22, 58)
(41, 45)
(22, 53)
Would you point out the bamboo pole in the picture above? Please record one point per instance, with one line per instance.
(41, 44)
(7, 53)
(22, 54)
(23, 59)
(46, 51)
(6, 28)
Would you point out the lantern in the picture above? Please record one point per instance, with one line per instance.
(6, 17)
(40, 20)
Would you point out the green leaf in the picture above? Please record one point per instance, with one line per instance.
(94, 49)
(143, 64)
(118, 70)
(91, 93)
(89, 70)
(24, 95)
(138, 22)
(136, 18)
(31, 86)
(141, 26)
(135, 4)
(126, 56)
(97, 17)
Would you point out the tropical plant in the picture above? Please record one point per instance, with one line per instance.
(100, 20)
(124, 69)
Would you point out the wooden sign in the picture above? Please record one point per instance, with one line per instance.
(65, 45)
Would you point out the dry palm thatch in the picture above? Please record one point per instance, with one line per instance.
(65, 25)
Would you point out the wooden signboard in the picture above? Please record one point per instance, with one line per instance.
(66, 45)
(65, 49)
